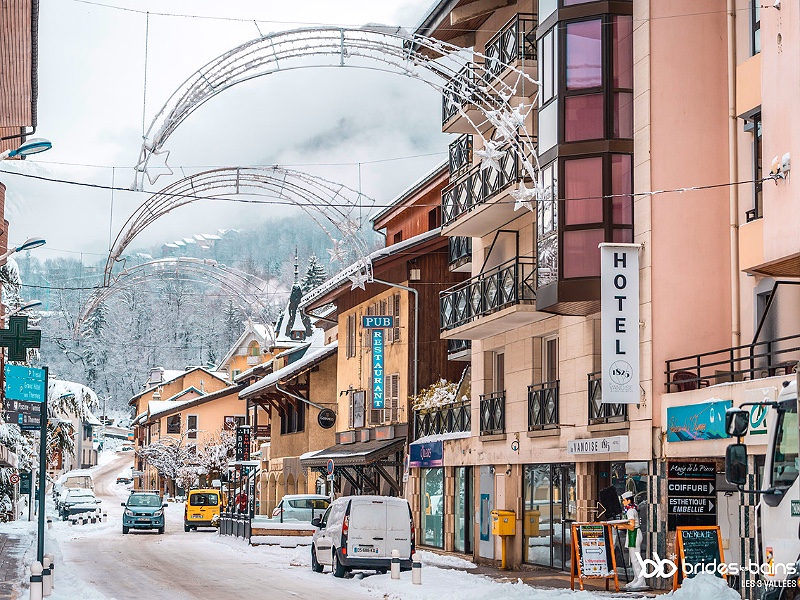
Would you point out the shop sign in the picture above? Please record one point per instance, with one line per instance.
(426, 454)
(243, 442)
(593, 550)
(617, 443)
(377, 322)
(377, 369)
(691, 494)
(697, 422)
(326, 418)
(691, 470)
(619, 322)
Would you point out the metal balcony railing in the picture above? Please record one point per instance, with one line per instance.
(599, 412)
(516, 40)
(513, 282)
(459, 251)
(458, 346)
(542, 405)
(450, 418)
(779, 356)
(460, 155)
(478, 185)
(493, 413)
(458, 92)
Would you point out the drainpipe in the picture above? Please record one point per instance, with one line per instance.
(416, 320)
(733, 176)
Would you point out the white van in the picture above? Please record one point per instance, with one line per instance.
(360, 532)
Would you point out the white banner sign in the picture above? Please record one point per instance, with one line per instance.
(619, 298)
(606, 445)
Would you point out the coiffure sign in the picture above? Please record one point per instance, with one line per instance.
(619, 322)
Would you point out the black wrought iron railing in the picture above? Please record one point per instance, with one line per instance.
(516, 40)
(459, 250)
(478, 185)
(543, 405)
(599, 412)
(493, 413)
(450, 418)
(460, 155)
(779, 356)
(458, 346)
(513, 282)
(458, 92)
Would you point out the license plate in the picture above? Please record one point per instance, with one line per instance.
(366, 550)
(197, 516)
(142, 520)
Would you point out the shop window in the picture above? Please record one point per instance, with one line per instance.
(549, 509)
(174, 424)
(191, 427)
(755, 27)
(432, 507)
(462, 509)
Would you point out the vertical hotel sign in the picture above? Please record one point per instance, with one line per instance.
(619, 297)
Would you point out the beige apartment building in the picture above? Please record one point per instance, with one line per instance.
(647, 115)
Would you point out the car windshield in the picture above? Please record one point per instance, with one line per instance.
(785, 457)
(203, 500)
(144, 500)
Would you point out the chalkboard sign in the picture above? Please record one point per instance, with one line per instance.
(698, 546)
(593, 554)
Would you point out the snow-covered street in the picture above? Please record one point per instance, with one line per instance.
(98, 562)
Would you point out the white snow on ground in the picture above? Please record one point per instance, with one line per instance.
(451, 582)
(285, 541)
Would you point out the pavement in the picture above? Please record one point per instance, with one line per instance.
(11, 568)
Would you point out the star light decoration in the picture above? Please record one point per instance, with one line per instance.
(523, 197)
(338, 252)
(490, 156)
(146, 167)
(362, 276)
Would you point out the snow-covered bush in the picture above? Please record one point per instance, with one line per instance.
(439, 394)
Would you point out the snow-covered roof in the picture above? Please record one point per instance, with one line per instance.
(169, 245)
(179, 243)
(442, 437)
(155, 407)
(58, 388)
(90, 419)
(263, 334)
(199, 237)
(211, 236)
(312, 357)
(343, 276)
(189, 240)
(183, 392)
(138, 418)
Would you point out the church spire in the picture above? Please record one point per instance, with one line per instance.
(296, 267)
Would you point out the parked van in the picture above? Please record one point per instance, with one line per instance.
(200, 509)
(360, 532)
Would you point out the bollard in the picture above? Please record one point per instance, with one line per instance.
(36, 580)
(47, 580)
(395, 564)
(49, 523)
(416, 570)
(105, 517)
(51, 561)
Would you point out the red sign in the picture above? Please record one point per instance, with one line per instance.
(14, 478)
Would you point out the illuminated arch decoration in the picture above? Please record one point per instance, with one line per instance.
(378, 48)
(327, 203)
(252, 294)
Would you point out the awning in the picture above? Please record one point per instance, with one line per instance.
(358, 453)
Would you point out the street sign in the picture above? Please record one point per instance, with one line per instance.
(691, 488)
(13, 478)
(18, 338)
(25, 483)
(28, 415)
(25, 383)
(330, 466)
(377, 322)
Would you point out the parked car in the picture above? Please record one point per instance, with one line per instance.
(143, 510)
(200, 509)
(124, 479)
(77, 501)
(125, 448)
(301, 507)
(360, 532)
(72, 480)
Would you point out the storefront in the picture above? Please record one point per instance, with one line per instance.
(428, 457)
(550, 507)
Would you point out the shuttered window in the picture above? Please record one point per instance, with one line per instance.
(392, 308)
(391, 411)
(350, 346)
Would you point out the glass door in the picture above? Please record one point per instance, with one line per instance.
(463, 510)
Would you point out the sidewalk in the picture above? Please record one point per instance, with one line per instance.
(11, 567)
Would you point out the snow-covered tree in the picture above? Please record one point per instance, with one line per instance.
(315, 274)
(168, 456)
(216, 452)
(187, 476)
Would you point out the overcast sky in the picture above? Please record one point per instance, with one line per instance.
(91, 88)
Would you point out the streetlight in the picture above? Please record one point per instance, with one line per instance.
(23, 308)
(28, 244)
(31, 146)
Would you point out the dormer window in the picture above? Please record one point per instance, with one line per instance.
(298, 336)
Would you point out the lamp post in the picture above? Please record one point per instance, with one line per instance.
(28, 244)
(31, 146)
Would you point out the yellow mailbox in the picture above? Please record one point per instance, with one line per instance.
(504, 522)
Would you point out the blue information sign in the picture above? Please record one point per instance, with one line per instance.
(25, 383)
(372, 321)
(377, 369)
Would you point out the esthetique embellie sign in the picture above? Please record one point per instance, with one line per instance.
(619, 297)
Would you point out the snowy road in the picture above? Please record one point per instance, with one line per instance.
(179, 565)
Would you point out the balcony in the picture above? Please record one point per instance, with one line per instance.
(459, 158)
(513, 46)
(543, 405)
(254, 360)
(599, 412)
(759, 360)
(459, 252)
(493, 413)
(459, 350)
(479, 202)
(498, 300)
(450, 418)
(459, 114)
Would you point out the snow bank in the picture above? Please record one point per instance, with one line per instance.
(431, 559)
(284, 541)
(705, 586)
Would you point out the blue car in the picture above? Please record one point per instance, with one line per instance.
(143, 510)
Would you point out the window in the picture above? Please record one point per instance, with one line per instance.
(293, 418)
(357, 400)
(235, 373)
(753, 124)
(622, 76)
(231, 422)
(398, 237)
(391, 306)
(784, 458)
(191, 427)
(584, 54)
(391, 411)
(434, 218)
(174, 424)
(755, 27)
(350, 346)
(550, 359)
(254, 350)
(499, 375)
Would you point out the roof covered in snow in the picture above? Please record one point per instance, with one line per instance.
(312, 357)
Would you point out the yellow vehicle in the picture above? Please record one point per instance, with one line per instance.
(202, 509)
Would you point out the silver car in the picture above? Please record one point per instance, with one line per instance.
(300, 507)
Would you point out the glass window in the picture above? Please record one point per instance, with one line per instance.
(622, 236)
(432, 502)
(584, 55)
(622, 51)
(583, 191)
(583, 117)
(546, 207)
(191, 426)
(174, 424)
(582, 253)
(461, 510)
(755, 26)
(623, 115)
(547, 67)
(784, 459)
(621, 183)
(536, 517)
(548, 127)
(547, 8)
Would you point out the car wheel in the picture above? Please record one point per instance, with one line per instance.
(186, 528)
(125, 530)
(161, 530)
(381, 571)
(337, 567)
(315, 564)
